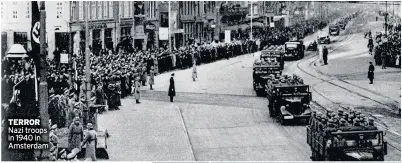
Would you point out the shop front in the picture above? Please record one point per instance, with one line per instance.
(100, 35)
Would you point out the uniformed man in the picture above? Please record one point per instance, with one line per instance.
(53, 140)
(312, 118)
(371, 125)
(90, 140)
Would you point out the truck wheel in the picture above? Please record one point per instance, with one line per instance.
(281, 120)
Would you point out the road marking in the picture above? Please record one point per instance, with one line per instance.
(185, 129)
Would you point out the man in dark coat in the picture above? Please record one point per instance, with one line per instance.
(172, 90)
(370, 74)
(325, 55)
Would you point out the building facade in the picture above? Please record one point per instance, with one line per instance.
(197, 20)
(16, 20)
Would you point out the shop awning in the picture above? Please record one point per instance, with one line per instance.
(16, 51)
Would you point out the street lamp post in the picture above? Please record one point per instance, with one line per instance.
(169, 30)
(251, 14)
(87, 65)
(43, 91)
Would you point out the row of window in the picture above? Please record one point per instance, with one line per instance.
(101, 9)
(195, 8)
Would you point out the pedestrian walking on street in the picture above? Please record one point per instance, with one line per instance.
(90, 141)
(151, 80)
(194, 71)
(137, 85)
(370, 74)
(325, 55)
(172, 90)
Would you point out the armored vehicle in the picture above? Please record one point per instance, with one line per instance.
(288, 98)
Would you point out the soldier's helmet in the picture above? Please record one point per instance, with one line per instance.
(342, 122)
(356, 122)
(340, 112)
(371, 121)
(331, 123)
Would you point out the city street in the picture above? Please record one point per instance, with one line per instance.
(219, 117)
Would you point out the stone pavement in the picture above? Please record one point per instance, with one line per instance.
(148, 131)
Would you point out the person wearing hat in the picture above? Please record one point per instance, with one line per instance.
(90, 140)
(371, 125)
(137, 94)
(172, 90)
(76, 134)
(151, 80)
(331, 127)
(370, 73)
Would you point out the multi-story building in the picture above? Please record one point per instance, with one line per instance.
(109, 22)
(152, 23)
(197, 20)
(16, 20)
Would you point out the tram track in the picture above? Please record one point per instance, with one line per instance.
(380, 125)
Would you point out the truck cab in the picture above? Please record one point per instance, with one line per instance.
(288, 101)
(294, 50)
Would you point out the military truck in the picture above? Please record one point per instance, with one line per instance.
(261, 72)
(271, 62)
(288, 98)
(273, 56)
(345, 143)
(294, 50)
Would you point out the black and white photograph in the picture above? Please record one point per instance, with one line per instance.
(208, 81)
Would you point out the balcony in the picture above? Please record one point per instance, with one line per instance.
(235, 11)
